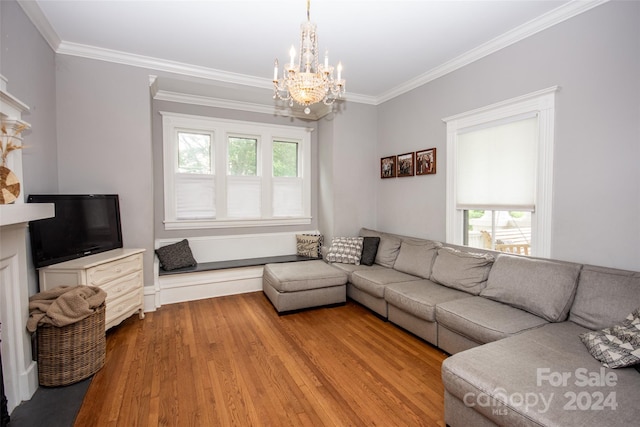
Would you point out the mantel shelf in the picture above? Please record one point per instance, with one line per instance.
(25, 212)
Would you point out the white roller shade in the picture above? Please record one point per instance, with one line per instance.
(244, 196)
(195, 196)
(497, 166)
(287, 197)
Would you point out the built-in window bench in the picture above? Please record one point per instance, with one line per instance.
(227, 265)
(236, 263)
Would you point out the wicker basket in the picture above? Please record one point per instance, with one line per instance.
(71, 353)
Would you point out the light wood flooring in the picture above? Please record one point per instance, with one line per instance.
(232, 361)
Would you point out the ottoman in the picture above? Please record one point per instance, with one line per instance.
(304, 284)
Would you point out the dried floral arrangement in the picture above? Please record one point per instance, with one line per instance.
(7, 145)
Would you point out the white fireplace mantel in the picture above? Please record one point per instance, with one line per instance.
(20, 371)
(24, 212)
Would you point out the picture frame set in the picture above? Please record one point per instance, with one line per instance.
(421, 162)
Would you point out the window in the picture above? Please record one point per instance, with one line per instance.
(288, 194)
(226, 173)
(499, 175)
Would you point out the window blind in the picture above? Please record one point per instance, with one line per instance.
(497, 166)
(287, 197)
(195, 196)
(244, 196)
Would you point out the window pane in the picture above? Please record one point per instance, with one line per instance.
(504, 231)
(243, 156)
(194, 153)
(285, 159)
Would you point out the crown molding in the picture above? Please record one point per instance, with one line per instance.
(181, 68)
(549, 19)
(125, 58)
(277, 110)
(40, 21)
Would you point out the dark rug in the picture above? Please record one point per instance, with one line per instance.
(51, 406)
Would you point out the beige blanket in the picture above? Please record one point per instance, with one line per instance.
(63, 305)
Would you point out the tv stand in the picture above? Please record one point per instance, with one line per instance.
(118, 272)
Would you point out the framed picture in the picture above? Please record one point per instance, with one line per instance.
(405, 164)
(426, 162)
(388, 167)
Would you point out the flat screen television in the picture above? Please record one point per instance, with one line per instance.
(84, 224)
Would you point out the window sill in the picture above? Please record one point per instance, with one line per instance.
(234, 223)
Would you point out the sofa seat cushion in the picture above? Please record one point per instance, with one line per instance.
(374, 281)
(531, 365)
(605, 296)
(350, 268)
(302, 276)
(483, 320)
(540, 286)
(419, 297)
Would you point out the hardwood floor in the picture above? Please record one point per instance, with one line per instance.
(234, 361)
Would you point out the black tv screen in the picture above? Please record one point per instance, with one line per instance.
(84, 224)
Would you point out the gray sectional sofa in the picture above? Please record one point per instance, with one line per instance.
(512, 326)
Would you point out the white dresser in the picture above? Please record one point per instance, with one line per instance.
(119, 272)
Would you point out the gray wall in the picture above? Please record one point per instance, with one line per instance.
(349, 170)
(104, 141)
(595, 59)
(28, 63)
(93, 133)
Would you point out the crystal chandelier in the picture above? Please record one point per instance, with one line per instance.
(304, 80)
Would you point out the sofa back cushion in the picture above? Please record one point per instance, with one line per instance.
(416, 257)
(543, 287)
(465, 271)
(388, 248)
(604, 297)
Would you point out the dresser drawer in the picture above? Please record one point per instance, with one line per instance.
(123, 285)
(107, 272)
(125, 305)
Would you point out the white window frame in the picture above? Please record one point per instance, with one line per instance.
(543, 104)
(221, 129)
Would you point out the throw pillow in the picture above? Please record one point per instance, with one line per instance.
(369, 250)
(309, 245)
(176, 255)
(346, 250)
(618, 346)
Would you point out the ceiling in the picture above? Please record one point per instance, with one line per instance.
(386, 47)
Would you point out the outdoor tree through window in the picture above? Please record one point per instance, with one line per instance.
(194, 153)
(285, 159)
(243, 156)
